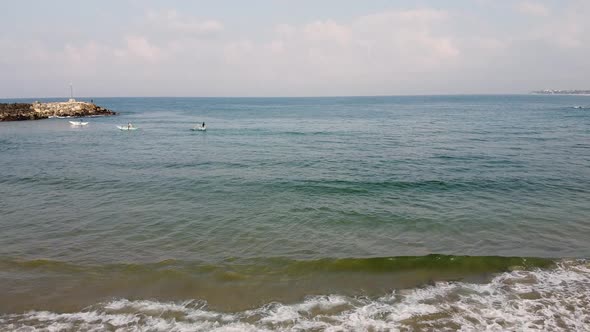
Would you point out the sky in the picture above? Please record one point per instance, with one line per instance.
(217, 48)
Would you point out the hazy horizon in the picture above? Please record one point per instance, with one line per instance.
(269, 48)
(84, 98)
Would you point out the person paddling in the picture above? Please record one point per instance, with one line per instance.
(203, 126)
(129, 125)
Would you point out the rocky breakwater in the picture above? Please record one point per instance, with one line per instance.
(37, 110)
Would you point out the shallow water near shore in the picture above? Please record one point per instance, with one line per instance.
(410, 213)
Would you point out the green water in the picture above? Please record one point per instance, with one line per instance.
(286, 198)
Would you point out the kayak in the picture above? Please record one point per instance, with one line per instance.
(78, 123)
(126, 128)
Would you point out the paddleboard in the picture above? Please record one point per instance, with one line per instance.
(126, 128)
(78, 123)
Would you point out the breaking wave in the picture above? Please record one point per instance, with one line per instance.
(541, 299)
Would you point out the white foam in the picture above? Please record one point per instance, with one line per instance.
(542, 300)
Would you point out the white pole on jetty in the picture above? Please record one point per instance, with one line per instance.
(71, 91)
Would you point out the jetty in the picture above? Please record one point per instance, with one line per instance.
(38, 110)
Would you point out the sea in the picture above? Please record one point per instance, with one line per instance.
(403, 213)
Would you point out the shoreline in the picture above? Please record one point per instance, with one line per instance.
(258, 280)
(534, 297)
(561, 94)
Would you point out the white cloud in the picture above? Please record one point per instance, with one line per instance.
(139, 47)
(86, 54)
(319, 57)
(173, 22)
(532, 8)
(234, 52)
(327, 31)
(564, 29)
(382, 44)
(419, 50)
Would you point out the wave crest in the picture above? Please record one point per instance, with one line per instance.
(555, 299)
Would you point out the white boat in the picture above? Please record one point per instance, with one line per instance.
(127, 128)
(199, 128)
(78, 123)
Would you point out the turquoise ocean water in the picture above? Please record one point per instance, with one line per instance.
(356, 213)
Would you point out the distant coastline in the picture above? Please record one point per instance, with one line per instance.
(561, 92)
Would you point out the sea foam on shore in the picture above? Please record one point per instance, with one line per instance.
(556, 299)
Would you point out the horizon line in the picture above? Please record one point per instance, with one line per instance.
(283, 97)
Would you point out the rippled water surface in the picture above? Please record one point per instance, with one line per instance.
(291, 199)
